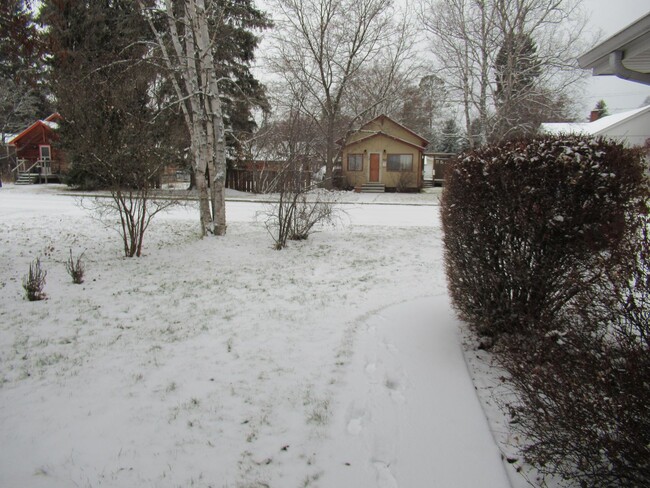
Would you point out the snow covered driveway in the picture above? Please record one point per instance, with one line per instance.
(220, 362)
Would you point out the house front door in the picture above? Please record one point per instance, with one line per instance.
(45, 155)
(374, 168)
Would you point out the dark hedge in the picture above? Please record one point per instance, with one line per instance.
(547, 252)
(528, 223)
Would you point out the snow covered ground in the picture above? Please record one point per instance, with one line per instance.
(221, 362)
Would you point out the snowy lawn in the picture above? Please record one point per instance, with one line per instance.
(221, 362)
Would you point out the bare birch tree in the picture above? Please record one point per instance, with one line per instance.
(460, 35)
(322, 48)
(467, 37)
(186, 48)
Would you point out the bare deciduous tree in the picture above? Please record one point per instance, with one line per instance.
(535, 40)
(325, 47)
(300, 207)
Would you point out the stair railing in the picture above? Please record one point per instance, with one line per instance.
(20, 167)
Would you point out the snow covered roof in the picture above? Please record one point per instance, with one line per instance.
(595, 128)
(5, 137)
(50, 122)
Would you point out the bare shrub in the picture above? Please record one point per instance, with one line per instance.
(298, 211)
(75, 268)
(310, 212)
(530, 224)
(34, 282)
(129, 211)
(406, 182)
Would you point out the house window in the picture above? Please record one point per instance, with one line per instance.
(400, 162)
(44, 152)
(355, 162)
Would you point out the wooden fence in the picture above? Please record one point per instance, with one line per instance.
(266, 181)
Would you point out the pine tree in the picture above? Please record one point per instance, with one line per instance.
(234, 52)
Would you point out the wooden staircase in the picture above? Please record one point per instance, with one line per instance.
(26, 178)
(373, 188)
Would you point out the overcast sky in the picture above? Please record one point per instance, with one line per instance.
(611, 16)
(607, 17)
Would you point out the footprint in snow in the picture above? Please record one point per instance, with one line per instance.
(385, 478)
(391, 348)
(355, 426)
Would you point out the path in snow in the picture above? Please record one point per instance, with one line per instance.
(408, 413)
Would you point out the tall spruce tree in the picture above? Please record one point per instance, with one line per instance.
(105, 87)
(234, 53)
(102, 83)
(105, 41)
(22, 91)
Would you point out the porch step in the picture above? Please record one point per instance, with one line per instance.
(26, 179)
(427, 183)
(373, 188)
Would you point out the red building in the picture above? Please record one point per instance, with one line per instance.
(37, 159)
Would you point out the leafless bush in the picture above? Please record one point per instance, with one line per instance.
(405, 182)
(308, 213)
(298, 210)
(130, 212)
(75, 268)
(34, 282)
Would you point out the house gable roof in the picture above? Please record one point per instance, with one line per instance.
(597, 127)
(50, 124)
(367, 127)
(384, 134)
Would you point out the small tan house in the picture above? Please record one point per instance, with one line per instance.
(383, 153)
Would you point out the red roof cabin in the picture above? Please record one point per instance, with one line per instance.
(37, 159)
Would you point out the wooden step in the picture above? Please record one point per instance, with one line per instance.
(26, 179)
(373, 188)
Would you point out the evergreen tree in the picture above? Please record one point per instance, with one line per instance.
(450, 137)
(22, 92)
(234, 52)
(103, 85)
(100, 59)
(601, 109)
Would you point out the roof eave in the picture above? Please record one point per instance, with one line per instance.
(377, 134)
(629, 45)
(592, 57)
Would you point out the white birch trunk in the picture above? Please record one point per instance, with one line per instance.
(194, 79)
(213, 121)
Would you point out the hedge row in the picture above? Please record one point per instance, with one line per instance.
(547, 253)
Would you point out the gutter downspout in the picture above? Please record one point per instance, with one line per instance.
(616, 63)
